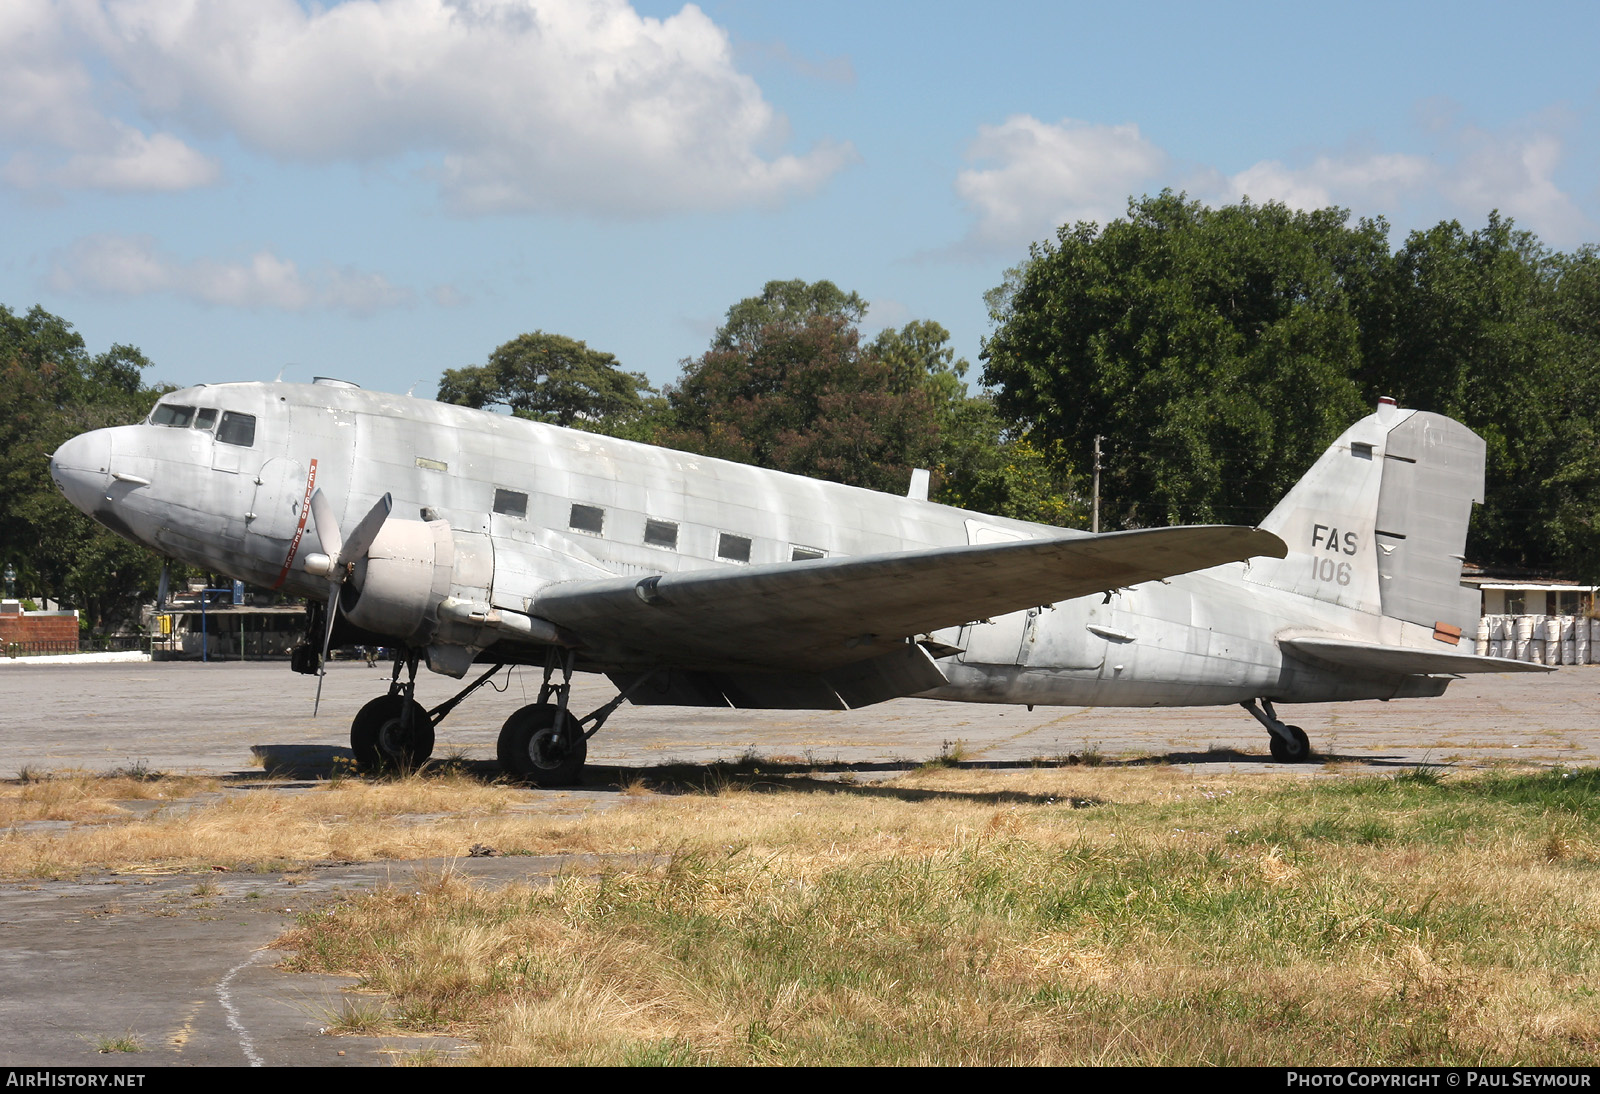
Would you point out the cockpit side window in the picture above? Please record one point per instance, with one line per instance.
(239, 429)
(205, 417)
(171, 414)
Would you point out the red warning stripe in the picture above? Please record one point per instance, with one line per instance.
(300, 529)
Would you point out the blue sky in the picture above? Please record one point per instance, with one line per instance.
(382, 190)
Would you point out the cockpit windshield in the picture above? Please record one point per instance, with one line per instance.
(172, 414)
(229, 426)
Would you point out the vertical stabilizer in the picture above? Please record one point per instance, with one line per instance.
(1379, 523)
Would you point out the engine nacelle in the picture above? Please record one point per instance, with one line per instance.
(397, 588)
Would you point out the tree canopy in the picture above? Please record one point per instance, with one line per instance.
(787, 383)
(52, 388)
(1219, 351)
(548, 378)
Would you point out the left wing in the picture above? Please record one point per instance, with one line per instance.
(821, 614)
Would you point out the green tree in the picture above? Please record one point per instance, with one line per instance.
(1468, 327)
(979, 465)
(51, 389)
(549, 378)
(788, 384)
(1571, 487)
(787, 304)
(1216, 350)
(800, 395)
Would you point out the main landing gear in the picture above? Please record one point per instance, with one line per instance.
(1290, 745)
(394, 731)
(544, 743)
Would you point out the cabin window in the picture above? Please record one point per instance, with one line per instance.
(205, 417)
(802, 554)
(587, 518)
(1361, 451)
(511, 503)
(239, 429)
(171, 414)
(661, 533)
(733, 548)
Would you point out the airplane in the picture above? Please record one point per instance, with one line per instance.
(464, 537)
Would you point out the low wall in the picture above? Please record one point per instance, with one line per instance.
(38, 632)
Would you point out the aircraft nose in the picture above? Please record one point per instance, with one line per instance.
(80, 468)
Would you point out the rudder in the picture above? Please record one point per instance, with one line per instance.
(1379, 523)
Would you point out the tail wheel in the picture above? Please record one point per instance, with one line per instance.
(529, 749)
(1285, 753)
(381, 741)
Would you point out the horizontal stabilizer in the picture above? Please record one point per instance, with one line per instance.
(1378, 659)
(818, 614)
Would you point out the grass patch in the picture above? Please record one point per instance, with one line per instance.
(120, 1042)
(955, 916)
(951, 754)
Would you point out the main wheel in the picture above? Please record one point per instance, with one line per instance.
(1285, 753)
(380, 741)
(528, 748)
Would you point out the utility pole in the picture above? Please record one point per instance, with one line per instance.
(1095, 518)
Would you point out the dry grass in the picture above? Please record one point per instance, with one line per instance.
(78, 796)
(970, 917)
(342, 820)
(1055, 915)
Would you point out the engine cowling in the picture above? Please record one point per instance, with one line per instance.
(396, 588)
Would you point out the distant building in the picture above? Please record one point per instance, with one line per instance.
(1531, 596)
(1546, 620)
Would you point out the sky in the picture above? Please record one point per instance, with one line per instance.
(378, 190)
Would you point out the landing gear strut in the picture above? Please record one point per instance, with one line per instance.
(394, 731)
(544, 743)
(1290, 745)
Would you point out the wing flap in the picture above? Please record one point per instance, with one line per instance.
(819, 614)
(1378, 659)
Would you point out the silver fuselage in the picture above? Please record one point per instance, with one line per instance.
(1203, 638)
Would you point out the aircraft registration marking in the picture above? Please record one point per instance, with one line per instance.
(1327, 539)
(300, 529)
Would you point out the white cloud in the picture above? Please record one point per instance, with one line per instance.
(1472, 172)
(445, 295)
(566, 105)
(1364, 180)
(116, 265)
(1515, 173)
(59, 136)
(1041, 176)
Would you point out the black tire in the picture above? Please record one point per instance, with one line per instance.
(529, 752)
(379, 742)
(1285, 753)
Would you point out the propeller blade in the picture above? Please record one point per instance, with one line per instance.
(327, 526)
(361, 539)
(341, 553)
(327, 638)
(161, 589)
